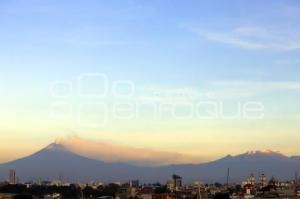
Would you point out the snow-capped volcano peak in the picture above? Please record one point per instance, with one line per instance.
(266, 152)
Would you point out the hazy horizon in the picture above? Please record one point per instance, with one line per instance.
(112, 153)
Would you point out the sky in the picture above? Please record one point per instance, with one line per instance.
(199, 78)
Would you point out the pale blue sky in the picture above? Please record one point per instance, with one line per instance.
(238, 50)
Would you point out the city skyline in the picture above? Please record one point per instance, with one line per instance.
(112, 72)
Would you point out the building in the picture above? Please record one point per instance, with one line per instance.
(146, 192)
(134, 183)
(252, 179)
(262, 181)
(274, 183)
(248, 189)
(175, 183)
(12, 176)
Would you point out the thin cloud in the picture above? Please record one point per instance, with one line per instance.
(217, 90)
(268, 84)
(256, 87)
(249, 37)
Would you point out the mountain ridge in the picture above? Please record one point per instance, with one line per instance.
(55, 159)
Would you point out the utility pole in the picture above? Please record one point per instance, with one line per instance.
(296, 181)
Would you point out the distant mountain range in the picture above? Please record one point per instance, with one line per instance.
(56, 160)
